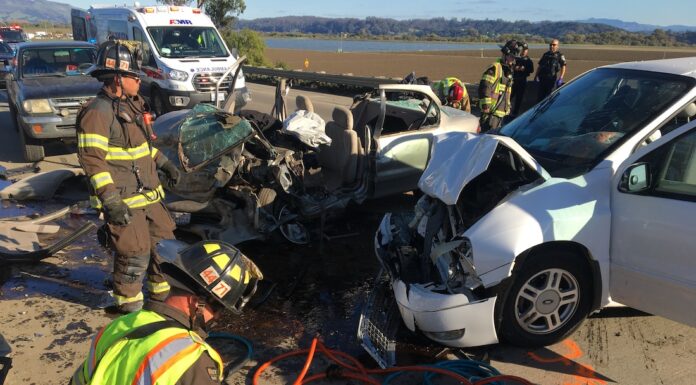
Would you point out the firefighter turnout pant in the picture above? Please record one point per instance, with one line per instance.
(489, 122)
(134, 245)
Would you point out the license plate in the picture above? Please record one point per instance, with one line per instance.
(220, 96)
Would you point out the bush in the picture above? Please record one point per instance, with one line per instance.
(249, 43)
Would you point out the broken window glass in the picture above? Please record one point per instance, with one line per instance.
(208, 133)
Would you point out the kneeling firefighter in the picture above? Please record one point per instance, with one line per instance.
(164, 343)
(495, 88)
(115, 149)
(452, 92)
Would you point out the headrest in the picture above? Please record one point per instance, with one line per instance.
(303, 103)
(343, 117)
(689, 111)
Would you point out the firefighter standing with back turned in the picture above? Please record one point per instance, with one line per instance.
(551, 69)
(115, 150)
(164, 343)
(495, 88)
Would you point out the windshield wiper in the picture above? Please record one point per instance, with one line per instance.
(31, 76)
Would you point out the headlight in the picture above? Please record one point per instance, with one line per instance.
(178, 75)
(37, 106)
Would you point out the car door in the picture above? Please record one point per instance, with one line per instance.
(404, 142)
(653, 239)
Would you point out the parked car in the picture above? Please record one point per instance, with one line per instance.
(586, 198)
(6, 56)
(12, 35)
(46, 88)
(243, 179)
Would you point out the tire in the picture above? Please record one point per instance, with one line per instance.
(32, 148)
(534, 313)
(159, 106)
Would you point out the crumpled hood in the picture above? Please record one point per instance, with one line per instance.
(459, 157)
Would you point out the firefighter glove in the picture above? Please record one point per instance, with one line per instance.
(172, 173)
(116, 212)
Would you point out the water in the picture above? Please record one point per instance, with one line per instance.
(376, 46)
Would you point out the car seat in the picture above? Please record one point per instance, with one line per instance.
(339, 160)
(303, 103)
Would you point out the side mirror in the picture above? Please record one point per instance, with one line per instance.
(636, 178)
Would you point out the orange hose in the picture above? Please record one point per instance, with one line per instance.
(356, 371)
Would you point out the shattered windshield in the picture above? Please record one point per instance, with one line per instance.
(573, 129)
(208, 132)
(177, 41)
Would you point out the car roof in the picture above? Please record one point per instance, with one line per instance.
(685, 66)
(55, 43)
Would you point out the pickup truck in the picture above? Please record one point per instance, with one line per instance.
(46, 87)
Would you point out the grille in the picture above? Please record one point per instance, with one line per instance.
(73, 105)
(380, 320)
(205, 82)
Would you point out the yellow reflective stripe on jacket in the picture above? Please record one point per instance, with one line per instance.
(119, 153)
(121, 300)
(101, 179)
(159, 358)
(93, 140)
(488, 78)
(153, 153)
(136, 201)
(158, 287)
(500, 88)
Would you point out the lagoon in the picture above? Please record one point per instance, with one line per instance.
(329, 45)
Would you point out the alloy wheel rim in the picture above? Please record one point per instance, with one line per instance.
(547, 301)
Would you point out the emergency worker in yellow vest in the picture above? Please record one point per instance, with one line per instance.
(115, 150)
(164, 343)
(452, 92)
(495, 88)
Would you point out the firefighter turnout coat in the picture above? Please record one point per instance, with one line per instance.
(495, 88)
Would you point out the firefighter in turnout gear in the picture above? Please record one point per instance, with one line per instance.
(495, 88)
(164, 343)
(550, 71)
(452, 92)
(115, 150)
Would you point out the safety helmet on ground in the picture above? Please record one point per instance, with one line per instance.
(117, 57)
(215, 271)
(455, 92)
(511, 48)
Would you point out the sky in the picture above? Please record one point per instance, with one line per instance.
(668, 12)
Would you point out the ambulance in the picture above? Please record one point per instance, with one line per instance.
(184, 56)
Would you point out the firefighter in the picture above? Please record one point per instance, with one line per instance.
(550, 71)
(115, 149)
(452, 92)
(164, 343)
(521, 71)
(495, 88)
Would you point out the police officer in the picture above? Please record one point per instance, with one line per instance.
(522, 69)
(495, 88)
(164, 343)
(551, 69)
(115, 150)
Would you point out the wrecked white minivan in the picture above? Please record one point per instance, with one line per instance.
(517, 232)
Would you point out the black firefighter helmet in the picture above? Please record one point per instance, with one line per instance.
(511, 47)
(214, 271)
(117, 57)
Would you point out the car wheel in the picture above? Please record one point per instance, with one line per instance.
(158, 104)
(32, 148)
(548, 300)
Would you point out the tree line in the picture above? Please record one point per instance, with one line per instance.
(454, 29)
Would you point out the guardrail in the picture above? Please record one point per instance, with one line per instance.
(348, 80)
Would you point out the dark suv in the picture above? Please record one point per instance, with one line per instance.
(46, 88)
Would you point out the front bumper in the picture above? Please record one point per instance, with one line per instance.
(449, 319)
(47, 127)
(176, 99)
(452, 319)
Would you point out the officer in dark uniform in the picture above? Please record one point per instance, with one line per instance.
(521, 71)
(551, 69)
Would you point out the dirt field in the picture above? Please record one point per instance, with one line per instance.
(466, 65)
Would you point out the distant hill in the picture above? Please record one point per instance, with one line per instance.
(421, 28)
(34, 11)
(638, 27)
